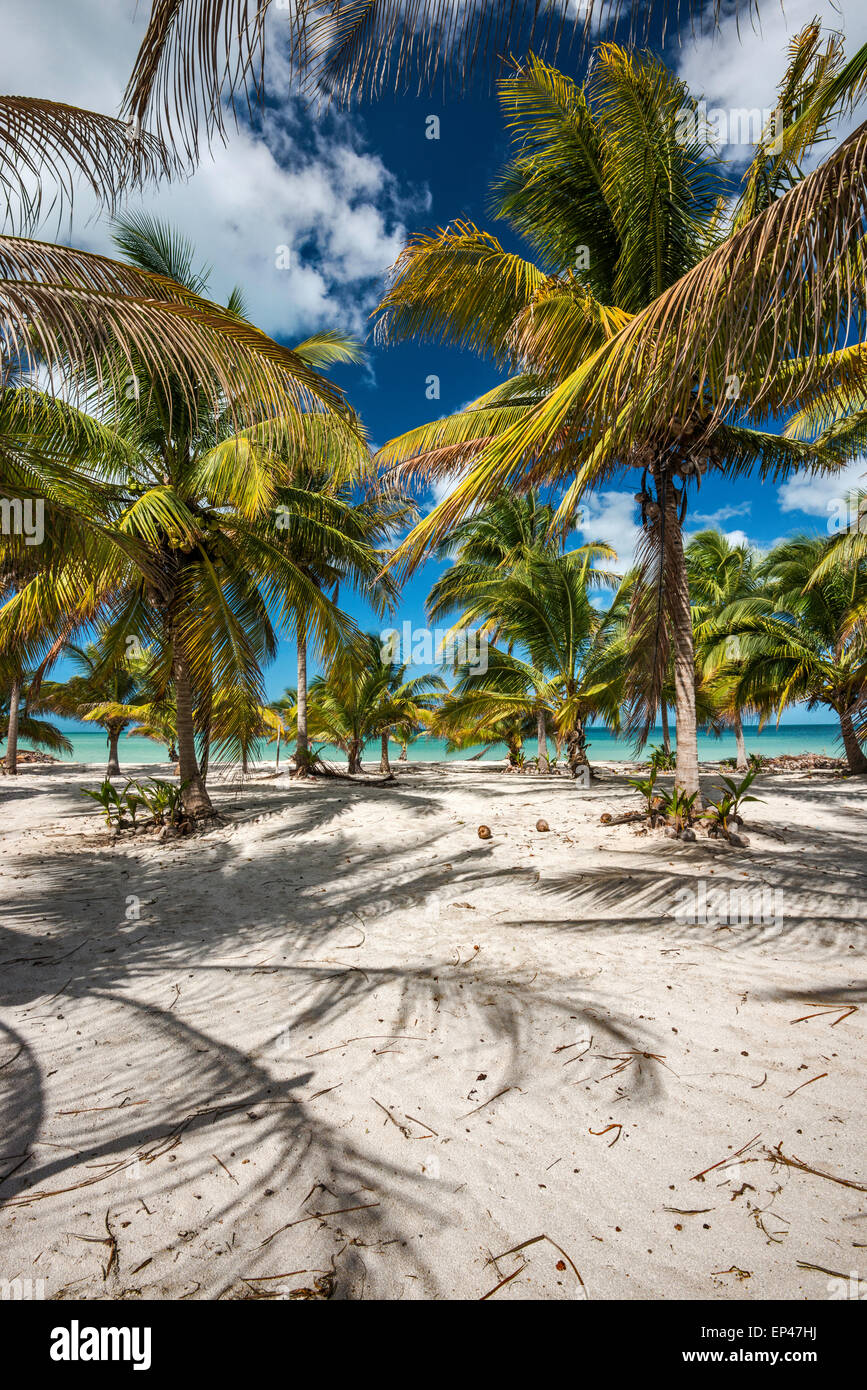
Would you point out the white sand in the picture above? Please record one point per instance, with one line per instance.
(187, 1092)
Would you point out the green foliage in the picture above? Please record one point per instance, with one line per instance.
(112, 801)
(646, 787)
(164, 801)
(737, 791)
(677, 806)
(661, 760)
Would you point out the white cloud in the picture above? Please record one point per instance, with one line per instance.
(738, 66)
(611, 517)
(307, 185)
(722, 514)
(821, 493)
(737, 538)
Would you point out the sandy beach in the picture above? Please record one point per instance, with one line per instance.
(341, 1047)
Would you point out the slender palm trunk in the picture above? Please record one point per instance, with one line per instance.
(576, 749)
(302, 745)
(113, 769)
(404, 754)
(542, 740)
(666, 736)
(384, 764)
(741, 761)
(354, 755)
(195, 798)
(677, 591)
(10, 766)
(514, 743)
(854, 752)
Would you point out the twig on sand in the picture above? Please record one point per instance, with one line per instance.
(805, 1083)
(534, 1240)
(486, 1102)
(845, 1011)
(403, 1129)
(699, 1177)
(600, 1132)
(316, 1216)
(777, 1156)
(820, 1269)
(226, 1170)
(414, 1120)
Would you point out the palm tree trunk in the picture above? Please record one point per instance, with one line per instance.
(854, 752)
(354, 755)
(542, 739)
(666, 736)
(384, 764)
(10, 766)
(514, 744)
(113, 769)
(195, 798)
(302, 745)
(576, 749)
(741, 761)
(680, 614)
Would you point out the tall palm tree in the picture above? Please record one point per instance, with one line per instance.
(720, 574)
(18, 719)
(545, 611)
(192, 562)
(364, 694)
(801, 637)
(97, 682)
(501, 540)
(645, 352)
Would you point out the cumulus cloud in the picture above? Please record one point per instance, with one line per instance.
(821, 494)
(298, 212)
(611, 516)
(725, 513)
(738, 66)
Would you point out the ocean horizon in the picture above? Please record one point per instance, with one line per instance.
(603, 745)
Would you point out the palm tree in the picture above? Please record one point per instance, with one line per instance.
(635, 345)
(501, 540)
(18, 721)
(720, 574)
(98, 682)
(364, 694)
(801, 637)
(545, 610)
(193, 563)
(353, 513)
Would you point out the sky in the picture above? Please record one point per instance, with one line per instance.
(342, 193)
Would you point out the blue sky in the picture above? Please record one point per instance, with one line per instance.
(343, 193)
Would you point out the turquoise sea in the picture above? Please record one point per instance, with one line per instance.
(789, 738)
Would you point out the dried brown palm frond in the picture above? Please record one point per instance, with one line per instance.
(109, 323)
(47, 142)
(200, 56)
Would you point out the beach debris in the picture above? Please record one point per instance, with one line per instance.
(806, 1083)
(542, 825)
(777, 1156)
(845, 1011)
(607, 819)
(599, 1132)
(729, 1158)
(484, 832)
(487, 1102)
(323, 1287)
(517, 1249)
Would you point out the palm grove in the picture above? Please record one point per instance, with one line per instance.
(208, 492)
